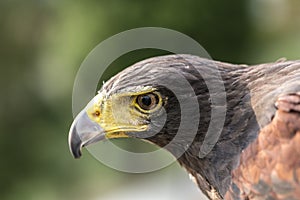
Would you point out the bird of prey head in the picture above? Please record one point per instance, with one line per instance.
(140, 102)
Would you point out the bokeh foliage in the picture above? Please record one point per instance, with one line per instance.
(43, 43)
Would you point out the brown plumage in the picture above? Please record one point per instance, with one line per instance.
(257, 155)
(270, 166)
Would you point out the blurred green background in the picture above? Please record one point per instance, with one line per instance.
(42, 44)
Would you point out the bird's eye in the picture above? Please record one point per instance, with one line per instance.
(147, 101)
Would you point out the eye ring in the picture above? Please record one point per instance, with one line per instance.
(148, 102)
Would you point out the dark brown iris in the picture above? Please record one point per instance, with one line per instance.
(147, 101)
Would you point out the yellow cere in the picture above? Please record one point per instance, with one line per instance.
(117, 114)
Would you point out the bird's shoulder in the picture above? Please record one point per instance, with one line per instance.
(270, 166)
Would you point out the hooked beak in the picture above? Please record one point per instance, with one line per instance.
(84, 131)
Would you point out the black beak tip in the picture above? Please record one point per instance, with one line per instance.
(75, 144)
(76, 151)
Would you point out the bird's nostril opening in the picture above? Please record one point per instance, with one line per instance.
(96, 113)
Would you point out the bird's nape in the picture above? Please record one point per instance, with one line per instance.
(140, 101)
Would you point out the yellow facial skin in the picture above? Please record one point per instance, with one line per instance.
(120, 113)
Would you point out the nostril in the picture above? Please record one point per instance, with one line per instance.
(96, 113)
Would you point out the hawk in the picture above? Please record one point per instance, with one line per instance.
(256, 155)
